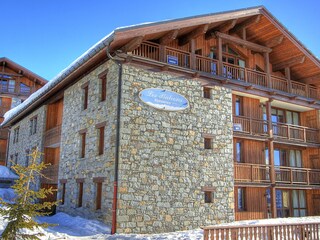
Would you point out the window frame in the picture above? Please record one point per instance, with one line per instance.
(82, 134)
(85, 95)
(33, 125)
(103, 85)
(100, 137)
(98, 193)
(80, 183)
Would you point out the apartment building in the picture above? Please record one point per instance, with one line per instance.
(183, 123)
(16, 84)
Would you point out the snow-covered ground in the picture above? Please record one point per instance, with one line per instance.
(68, 227)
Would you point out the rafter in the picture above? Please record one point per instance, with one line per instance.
(194, 34)
(246, 23)
(288, 63)
(170, 36)
(239, 41)
(133, 44)
(222, 28)
(274, 41)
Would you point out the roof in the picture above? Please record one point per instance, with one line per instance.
(123, 35)
(22, 70)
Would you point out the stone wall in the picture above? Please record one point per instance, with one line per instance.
(163, 163)
(72, 166)
(26, 142)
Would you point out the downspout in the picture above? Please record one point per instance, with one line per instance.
(7, 149)
(117, 148)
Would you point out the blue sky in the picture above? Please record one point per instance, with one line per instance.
(46, 36)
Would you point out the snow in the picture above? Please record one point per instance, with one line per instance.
(75, 227)
(6, 173)
(7, 194)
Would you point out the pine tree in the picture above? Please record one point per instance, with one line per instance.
(21, 213)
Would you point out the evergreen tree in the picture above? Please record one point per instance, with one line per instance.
(21, 213)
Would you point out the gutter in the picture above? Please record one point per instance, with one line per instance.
(117, 147)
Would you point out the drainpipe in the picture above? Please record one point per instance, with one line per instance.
(117, 149)
(7, 147)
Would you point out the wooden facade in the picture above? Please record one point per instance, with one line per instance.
(16, 84)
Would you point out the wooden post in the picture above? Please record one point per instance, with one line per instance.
(162, 53)
(267, 69)
(288, 77)
(193, 63)
(271, 161)
(220, 68)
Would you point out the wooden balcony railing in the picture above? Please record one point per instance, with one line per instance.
(250, 125)
(253, 173)
(6, 88)
(283, 231)
(50, 174)
(207, 65)
(260, 173)
(280, 130)
(52, 137)
(292, 175)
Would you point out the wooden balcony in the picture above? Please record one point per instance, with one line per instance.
(12, 90)
(50, 174)
(250, 77)
(251, 173)
(291, 175)
(260, 174)
(52, 137)
(281, 131)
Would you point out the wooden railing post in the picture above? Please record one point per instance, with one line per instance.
(308, 177)
(220, 69)
(291, 176)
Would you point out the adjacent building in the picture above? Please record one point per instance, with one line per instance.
(242, 144)
(16, 84)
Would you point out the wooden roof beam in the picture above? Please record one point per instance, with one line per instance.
(246, 23)
(253, 46)
(288, 63)
(273, 42)
(194, 34)
(170, 36)
(133, 44)
(222, 28)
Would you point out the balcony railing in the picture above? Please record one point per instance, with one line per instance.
(253, 173)
(291, 175)
(286, 131)
(185, 59)
(260, 173)
(284, 231)
(52, 137)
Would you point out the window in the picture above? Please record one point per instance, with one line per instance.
(16, 135)
(103, 85)
(207, 143)
(98, 182)
(16, 159)
(27, 158)
(238, 151)
(208, 194)
(207, 92)
(83, 134)
(24, 89)
(100, 131)
(12, 84)
(238, 108)
(85, 89)
(80, 191)
(33, 125)
(241, 199)
(63, 183)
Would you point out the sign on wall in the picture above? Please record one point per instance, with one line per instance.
(163, 99)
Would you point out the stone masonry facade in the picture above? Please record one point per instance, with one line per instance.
(19, 150)
(163, 164)
(72, 167)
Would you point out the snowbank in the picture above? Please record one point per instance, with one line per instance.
(7, 174)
